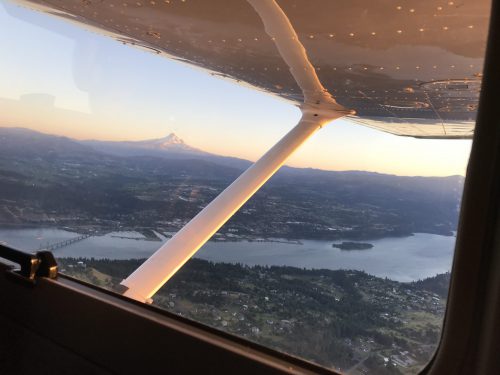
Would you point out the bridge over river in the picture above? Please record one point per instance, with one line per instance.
(65, 243)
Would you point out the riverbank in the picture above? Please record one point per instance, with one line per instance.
(403, 259)
(335, 318)
(100, 229)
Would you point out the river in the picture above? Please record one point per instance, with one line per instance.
(402, 259)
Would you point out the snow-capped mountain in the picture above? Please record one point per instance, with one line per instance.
(171, 144)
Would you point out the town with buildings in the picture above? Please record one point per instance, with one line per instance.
(342, 319)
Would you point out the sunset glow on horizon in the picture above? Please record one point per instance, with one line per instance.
(87, 86)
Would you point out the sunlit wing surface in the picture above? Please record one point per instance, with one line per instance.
(419, 128)
(407, 68)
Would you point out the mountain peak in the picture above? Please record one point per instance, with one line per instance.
(172, 138)
(169, 143)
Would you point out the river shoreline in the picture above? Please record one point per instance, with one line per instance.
(401, 259)
(93, 229)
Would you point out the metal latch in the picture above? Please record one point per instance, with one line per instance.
(40, 264)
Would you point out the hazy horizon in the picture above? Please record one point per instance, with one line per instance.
(91, 87)
(203, 151)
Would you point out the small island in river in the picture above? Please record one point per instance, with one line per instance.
(353, 246)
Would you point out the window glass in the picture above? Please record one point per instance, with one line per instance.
(343, 258)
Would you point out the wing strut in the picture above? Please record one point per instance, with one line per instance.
(318, 108)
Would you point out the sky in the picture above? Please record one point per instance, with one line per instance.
(60, 79)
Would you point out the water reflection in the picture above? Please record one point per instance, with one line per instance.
(402, 259)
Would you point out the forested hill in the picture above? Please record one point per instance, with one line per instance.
(51, 180)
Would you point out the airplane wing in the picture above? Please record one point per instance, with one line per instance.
(410, 71)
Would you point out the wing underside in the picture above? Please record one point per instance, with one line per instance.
(407, 71)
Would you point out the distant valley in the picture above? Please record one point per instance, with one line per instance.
(91, 185)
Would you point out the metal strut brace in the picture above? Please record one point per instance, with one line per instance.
(318, 108)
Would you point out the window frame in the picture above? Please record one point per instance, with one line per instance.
(124, 336)
(468, 343)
